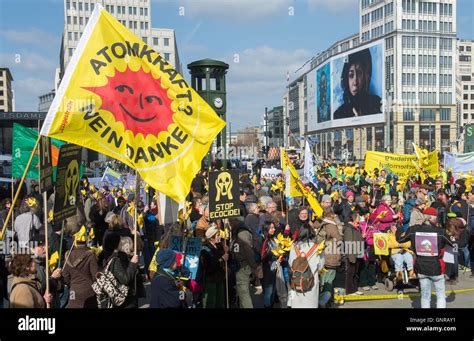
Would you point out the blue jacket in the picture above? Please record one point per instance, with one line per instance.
(164, 292)
(407, 208)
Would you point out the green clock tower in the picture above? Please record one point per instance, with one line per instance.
(208, 79)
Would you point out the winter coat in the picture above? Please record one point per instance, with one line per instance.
(23, 224)
(393, 244)
(426, 265)
(343, 210)
(352, 235)
(26, 293)
(211, 264)
(125, 272)
(245, 252)
(417, 217)
(79, 273)
(308, 299)
(387, 221)
(407, 209)
(332, 255)
(164, 291)
(268, 261)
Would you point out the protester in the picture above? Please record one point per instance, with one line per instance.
(26, 289)
(166, 291)
(27, 224)
(79, 272)
(354, 259)
(305, 263)
(429, 267)
(212, 263)
(244, 253)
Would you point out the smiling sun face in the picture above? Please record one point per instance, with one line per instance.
(137, 100)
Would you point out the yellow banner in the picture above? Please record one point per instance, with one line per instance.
(300, 187)
(122, 99)
(291, 189)
(381, 244)
(400, 164)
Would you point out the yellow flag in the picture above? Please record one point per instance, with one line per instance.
(53, 260)
(381, 244)
(122, 99)
(300, 187)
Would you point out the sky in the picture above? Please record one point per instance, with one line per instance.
(260, 40)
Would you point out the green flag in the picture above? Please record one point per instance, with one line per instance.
(24, 140)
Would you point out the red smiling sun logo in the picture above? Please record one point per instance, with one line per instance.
(137, 100)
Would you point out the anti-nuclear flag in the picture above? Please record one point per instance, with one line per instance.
(122, 99)
(301, 188)
(24, 140)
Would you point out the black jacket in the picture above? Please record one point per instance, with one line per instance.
(164, 291)
(243, 247)
(426, 265)
(343, 210)
(125, 272)
(211, 264)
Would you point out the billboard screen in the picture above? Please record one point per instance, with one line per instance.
(349, 89)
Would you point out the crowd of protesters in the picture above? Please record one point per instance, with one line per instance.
(239, 255)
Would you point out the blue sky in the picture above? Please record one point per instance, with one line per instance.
(260, 40)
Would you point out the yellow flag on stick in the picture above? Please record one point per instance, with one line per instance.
(381, 244)
(301, 188)
(122, 99)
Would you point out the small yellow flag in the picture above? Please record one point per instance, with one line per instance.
(381, 244)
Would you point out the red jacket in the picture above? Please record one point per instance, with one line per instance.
(383, 223)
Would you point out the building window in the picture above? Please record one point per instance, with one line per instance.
(445, 138)
(135, 25)
(428, 137)
(81, 22)
(68, 4)
(76, 36)
(80, 6)
(130, 10)
(146, 11)
(145, 39)
(69, 35)
(465, 106)
(68, 20)
(75, 20)
(167, 57)
(155, 41)
(468, 48)
(166, 41)
(379, 139)
(427, 115)
(146, 25)
(408, 114)
(141, 10)
(464, 58)
(142, 25)
(71, 50)
(409, 139)
(134, 11)
(445, 114)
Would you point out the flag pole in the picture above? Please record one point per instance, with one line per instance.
(13, 220)
(46, 239)
(2, 234)
(135, 212)
(226, 228)
(45, 217)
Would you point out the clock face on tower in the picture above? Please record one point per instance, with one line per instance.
(218, 102)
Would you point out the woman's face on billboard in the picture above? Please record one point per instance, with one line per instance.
(356, 79)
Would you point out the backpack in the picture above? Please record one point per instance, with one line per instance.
(301, 276)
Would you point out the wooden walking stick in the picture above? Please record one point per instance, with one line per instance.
(5, 224)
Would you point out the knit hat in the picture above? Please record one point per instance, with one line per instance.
(430, 211)
(211, 231)
(349, 193)
(326, 197)
(165, 258)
